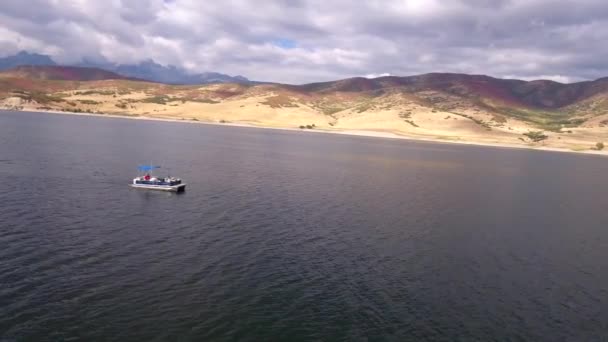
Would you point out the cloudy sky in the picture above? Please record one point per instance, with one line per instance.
(299, 41)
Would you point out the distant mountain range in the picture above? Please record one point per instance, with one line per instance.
(25, 58)
(63, 73)
(146, 70)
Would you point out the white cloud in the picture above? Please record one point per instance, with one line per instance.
(332, 39)
(377, 75)
(556, 78)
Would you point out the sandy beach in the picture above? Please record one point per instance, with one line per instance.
(337, 131)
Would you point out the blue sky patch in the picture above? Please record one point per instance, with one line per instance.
(285, 43)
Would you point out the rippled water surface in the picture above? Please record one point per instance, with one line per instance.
(293, 236)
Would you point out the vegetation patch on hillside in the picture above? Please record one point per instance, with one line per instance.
(406, 116)
(158, 99)
(96, 92)
(364, 107)
(38, 97)
(308, 126)
(330, 110)
(481, 123)
(548, 121)
(89, 102)
(209, 101)
(279, 101)
(536, 136)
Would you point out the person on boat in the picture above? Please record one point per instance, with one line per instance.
(147, 177)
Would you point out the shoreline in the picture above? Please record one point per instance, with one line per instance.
(359, 133)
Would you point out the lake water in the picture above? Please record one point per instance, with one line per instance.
(294, 236)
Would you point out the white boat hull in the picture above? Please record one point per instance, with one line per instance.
(172, 188)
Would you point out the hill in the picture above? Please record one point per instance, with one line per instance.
(453, 107)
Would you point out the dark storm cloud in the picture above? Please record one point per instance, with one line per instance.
(562, 40)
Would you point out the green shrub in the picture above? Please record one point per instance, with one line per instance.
(475, 120)
(599, 146)
(210, 101)
(160, 99)
(94, 92)
(89, 102)
(39, 97)
(329, 111)
(536, 136)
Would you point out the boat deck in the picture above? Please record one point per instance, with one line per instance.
(174, 188)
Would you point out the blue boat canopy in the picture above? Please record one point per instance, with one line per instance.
(145, 168)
